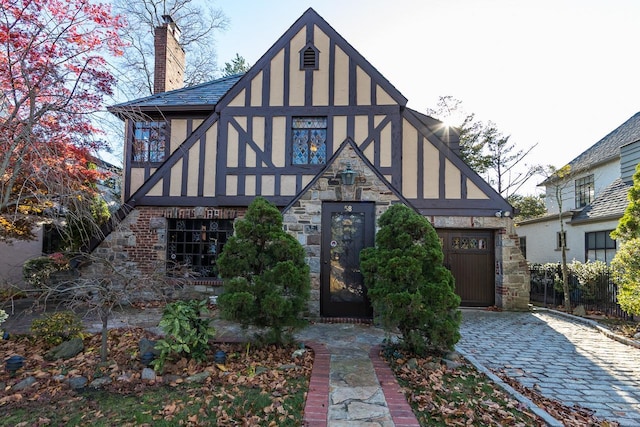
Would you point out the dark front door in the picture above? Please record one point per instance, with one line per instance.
(469, 256)
(347, 228)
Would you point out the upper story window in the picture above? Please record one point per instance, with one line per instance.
(584, 191)
(149, 141)
(309, 141)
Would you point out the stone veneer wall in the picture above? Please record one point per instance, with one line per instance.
(303, 219)
(139, 246)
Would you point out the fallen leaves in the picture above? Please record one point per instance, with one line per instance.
(231, 394)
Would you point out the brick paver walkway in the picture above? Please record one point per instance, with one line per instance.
(560, 357)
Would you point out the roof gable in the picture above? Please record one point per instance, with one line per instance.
(309, 19)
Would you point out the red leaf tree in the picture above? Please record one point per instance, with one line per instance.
(53, 75)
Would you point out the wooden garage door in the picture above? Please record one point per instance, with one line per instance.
(469, 254)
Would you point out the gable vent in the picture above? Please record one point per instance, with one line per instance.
(309, 58)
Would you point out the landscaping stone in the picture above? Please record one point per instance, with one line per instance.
(451, 364)
(199, 377)
(637, 336)
(261, 370)
(365, 411)
(580, 311)
(78, 383)
(148, 374)
(25, 383)
(66, 350)
(412, 363)
(100, 382)
(288, 367)
(169, 379)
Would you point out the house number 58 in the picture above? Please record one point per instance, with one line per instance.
(348, 208)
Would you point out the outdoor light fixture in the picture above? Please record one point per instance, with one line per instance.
(348, 175)
(500, 214)
(147, 358)
(220, 357)
(14, 363)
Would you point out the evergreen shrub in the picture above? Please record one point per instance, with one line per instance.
(266, 278)
(408, 285)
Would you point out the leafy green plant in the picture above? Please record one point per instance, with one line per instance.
(3, 316)
(266, 278)
(57, 327)
(408, 285)
(38, 271)
(593, 279)
(186, 332)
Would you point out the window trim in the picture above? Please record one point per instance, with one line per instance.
(609, 244)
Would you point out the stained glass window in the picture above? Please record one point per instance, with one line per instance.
(149, 142)
(309, 141)
(194, 245)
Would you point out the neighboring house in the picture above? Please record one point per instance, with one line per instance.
(593, 198)
(317, 130)
(47, 239)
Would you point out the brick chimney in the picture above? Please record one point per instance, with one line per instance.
(169, 66)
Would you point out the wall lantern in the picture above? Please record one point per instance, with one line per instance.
(348, 175)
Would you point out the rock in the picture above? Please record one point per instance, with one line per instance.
(125, 377)
(298, 353)
(66, 350)
(453, 355)
(637, 336)
(287, 367)
(147, 345)
(261, 370)
(412, 363)
(580, 311)
(148, 374)
(451, 364)
(77, 383)
(25, 383)
(199, 377)
(170, 379)
(59, 378)
(100, 382)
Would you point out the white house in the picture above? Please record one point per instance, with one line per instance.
(592, 198)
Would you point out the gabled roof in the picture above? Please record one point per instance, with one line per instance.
(203, 96)
(610, 203)
(608, 148)
(308, 18)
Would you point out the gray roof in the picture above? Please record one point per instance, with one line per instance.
(608, 148)
(611, 202)
(202, 96)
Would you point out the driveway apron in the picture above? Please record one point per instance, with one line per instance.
(561, 358)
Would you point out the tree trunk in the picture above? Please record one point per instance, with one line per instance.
(104, 349)
(565, 280)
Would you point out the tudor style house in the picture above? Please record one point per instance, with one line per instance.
(593, 197)
(317, 130)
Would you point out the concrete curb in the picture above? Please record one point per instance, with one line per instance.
(591, 323)
(547, 418)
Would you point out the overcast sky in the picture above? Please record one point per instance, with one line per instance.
(560, 73)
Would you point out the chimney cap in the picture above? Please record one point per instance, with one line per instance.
(167, 19)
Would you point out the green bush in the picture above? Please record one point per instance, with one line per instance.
(408, 285)
(186, 332)
(266, 278)
(37, 272)
(57, 327)
(626, 271)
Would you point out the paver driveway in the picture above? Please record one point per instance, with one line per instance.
(563, 359)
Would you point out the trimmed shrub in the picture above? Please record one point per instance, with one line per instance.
(266, 278)
(408, 285)
(626, 271)
(38, 272)
(55, 328)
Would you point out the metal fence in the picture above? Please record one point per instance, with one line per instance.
(599, 295)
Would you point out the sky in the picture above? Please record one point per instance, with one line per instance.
(558, 73)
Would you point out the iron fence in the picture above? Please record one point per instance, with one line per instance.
(598, 295)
